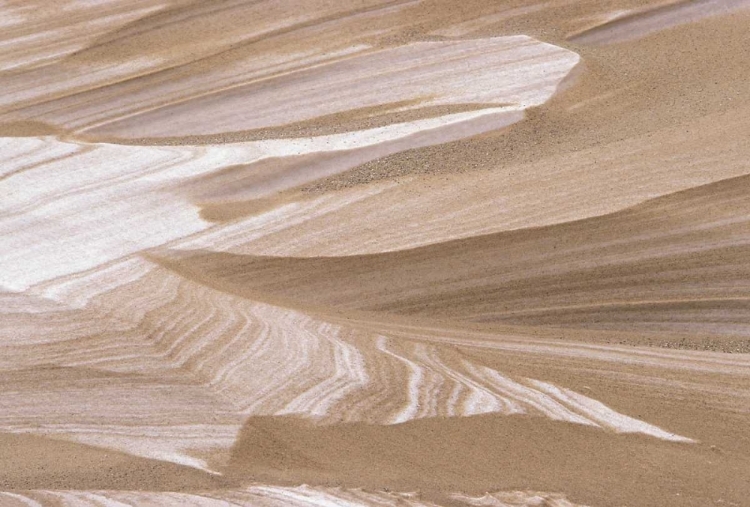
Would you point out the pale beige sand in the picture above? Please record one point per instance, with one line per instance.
(374, 252)
(672, 264)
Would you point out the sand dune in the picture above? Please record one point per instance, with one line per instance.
(675, 263)
(653, 19)
(374, 252)
(302, 496)
(180, 347)
(146, 176)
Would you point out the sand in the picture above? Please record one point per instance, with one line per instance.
(374, 252)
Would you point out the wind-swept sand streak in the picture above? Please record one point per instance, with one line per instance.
(431, 209)
(492, 71)
(271, 496)
(38, 33)
(595, 274)
(92, 225)
(427, 74)
(231, 353)
(507, 499)
(145, 177)
(374, 252)
(650, 20)
(237, 349)
(162, 41)
(33, 462)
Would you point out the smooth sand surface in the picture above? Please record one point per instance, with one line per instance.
(374, 253)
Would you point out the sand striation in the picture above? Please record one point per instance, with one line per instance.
(374, 252)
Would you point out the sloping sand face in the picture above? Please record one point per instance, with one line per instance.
(374, 252)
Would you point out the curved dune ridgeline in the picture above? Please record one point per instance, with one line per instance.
(675, 263)
(374, 253)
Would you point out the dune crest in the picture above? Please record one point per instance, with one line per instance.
(374, 252)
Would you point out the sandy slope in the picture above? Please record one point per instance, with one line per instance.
(374, 252)
(674, 263)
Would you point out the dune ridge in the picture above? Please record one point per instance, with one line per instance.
(374, 252)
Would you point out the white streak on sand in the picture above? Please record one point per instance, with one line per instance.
(603, 415)
(273, 496)
(516, 499)
(96, 203)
